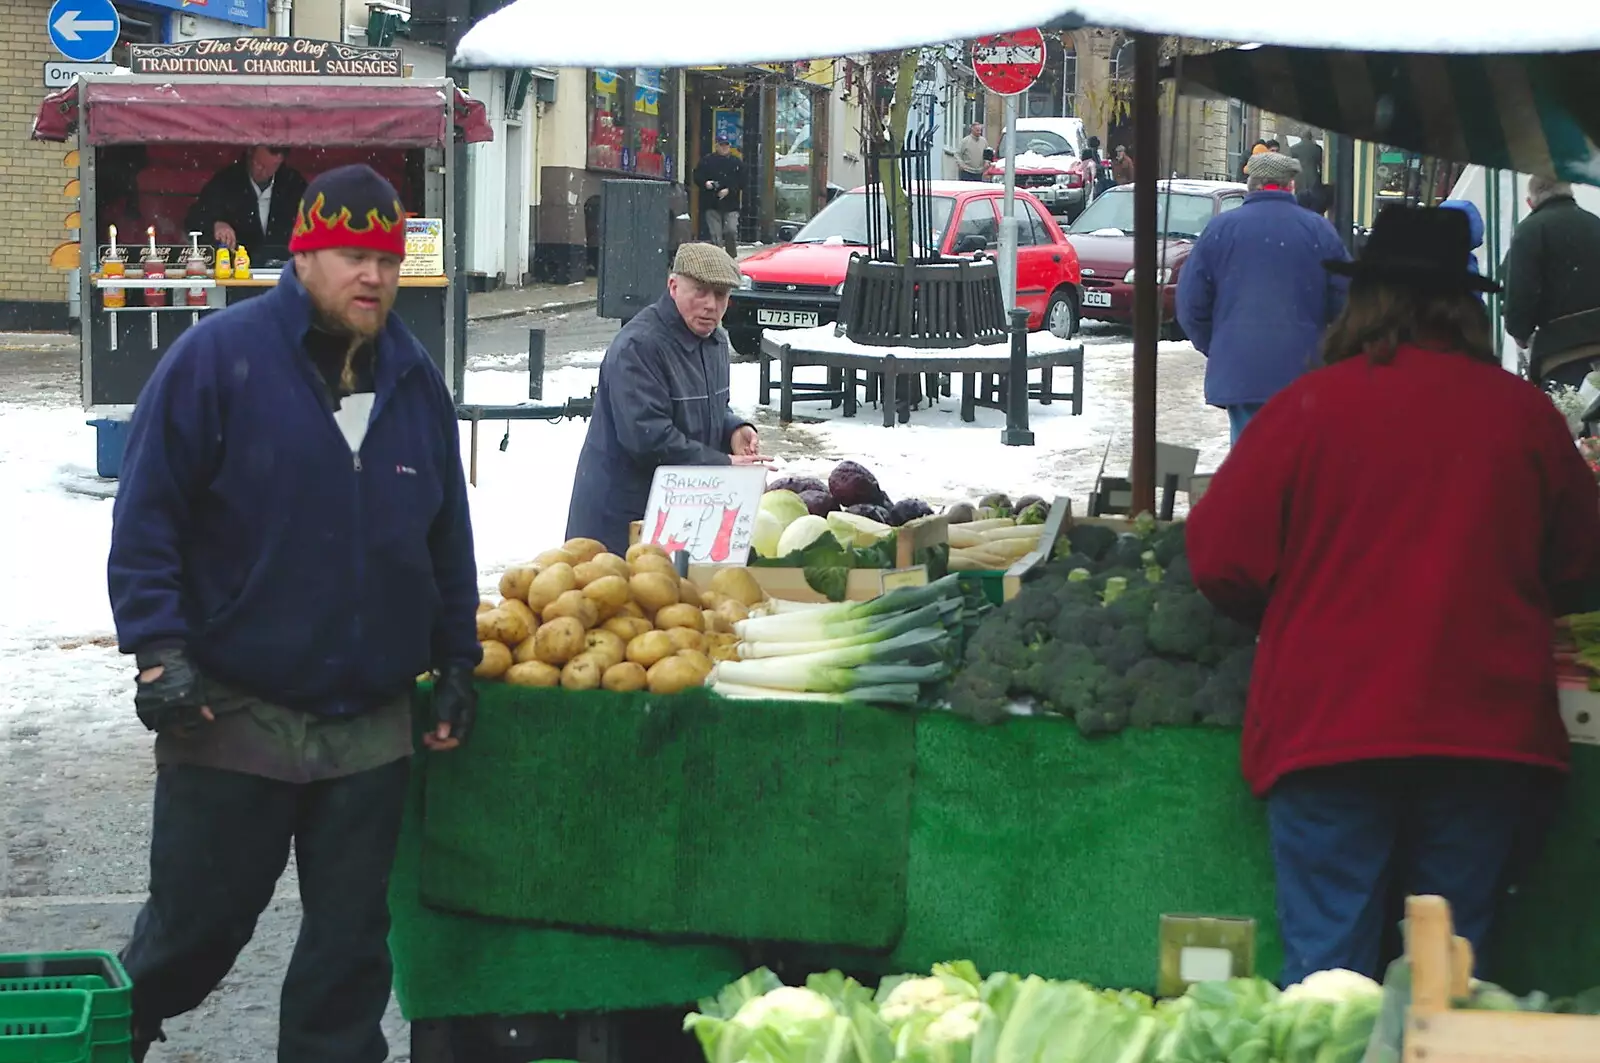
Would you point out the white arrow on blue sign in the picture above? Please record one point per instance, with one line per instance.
(84, 30)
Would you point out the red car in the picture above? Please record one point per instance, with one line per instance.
(1103, 235)
(797, 284)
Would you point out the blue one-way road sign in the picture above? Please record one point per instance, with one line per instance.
(84, 30)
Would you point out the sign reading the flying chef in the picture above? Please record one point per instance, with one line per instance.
(266, 57)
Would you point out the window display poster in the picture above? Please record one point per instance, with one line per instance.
(605, 82)
(424, 248)
(728, 122)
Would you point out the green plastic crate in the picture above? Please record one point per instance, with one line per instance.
(47, 1026)
(99, 974)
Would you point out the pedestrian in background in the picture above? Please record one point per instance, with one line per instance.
(1122, 166)
(1309, 188)
(1402, 722)
(720, 178)
(1552, 274)
(972, 153)
(1253, 296)
(290, 549)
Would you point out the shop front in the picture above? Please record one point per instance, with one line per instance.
(775, 117)
(149, 143)
(631, 131)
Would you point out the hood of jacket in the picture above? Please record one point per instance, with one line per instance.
(1474, 219)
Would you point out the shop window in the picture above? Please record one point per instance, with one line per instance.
(793, 173)
(632, 119)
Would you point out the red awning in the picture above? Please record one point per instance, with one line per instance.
(124, 111)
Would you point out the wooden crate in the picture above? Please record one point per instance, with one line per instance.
(1441, 968)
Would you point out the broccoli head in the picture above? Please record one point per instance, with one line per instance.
(1180, 623)
(1163, 692)
(1067, 558)
(1176, 574)
(999, 642)
(1067, 679)
(1092, 540)
(1132, 607)
(1168, 544)
(980, 692)
(1036, 601)
(1127, 552)
(1120, 648)
(1078, 623)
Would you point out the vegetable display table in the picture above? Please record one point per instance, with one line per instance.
(819, 346)
(1025, 847)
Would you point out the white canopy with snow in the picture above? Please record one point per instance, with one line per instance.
(625, 33)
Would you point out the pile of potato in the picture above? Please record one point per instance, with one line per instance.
(583, 619)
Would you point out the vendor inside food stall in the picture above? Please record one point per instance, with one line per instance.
(250, 201)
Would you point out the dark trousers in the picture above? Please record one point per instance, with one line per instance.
(1350, 842)
(219, 843)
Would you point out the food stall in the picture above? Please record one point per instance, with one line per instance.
(149, 140)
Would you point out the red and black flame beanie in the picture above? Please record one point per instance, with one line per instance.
(351, 206)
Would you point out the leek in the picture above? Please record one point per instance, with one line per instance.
(809, 672)
(885, 628)
(841, 619)
(885, 694)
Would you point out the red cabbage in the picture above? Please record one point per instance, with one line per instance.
(819, 503)
(877, 513)
(798, 484)
(908, 509)
(853, 485)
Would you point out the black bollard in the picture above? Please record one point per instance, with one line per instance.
(1016, 432)
(535, 364)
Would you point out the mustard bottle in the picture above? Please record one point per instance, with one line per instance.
(241, 264)
(224, 265)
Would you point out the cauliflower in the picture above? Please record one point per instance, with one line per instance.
(956, 1025)
(916, 995)
(784, 1007)
(1333, 986)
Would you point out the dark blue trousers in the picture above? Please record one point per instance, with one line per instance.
(1351, 842)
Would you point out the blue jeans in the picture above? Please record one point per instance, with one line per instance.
(1239, 416)
(1352, 841)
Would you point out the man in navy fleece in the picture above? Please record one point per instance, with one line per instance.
(1253, 296)
(291, 547)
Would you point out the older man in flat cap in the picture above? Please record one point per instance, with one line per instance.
(662, 400)
(1253, 296)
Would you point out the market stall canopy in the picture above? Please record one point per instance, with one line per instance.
(649, 33)
(127, 111)
(1537, 114)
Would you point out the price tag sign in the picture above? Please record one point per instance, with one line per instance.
(895, 578)
(707, 510)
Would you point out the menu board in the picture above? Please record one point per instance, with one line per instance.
(424, 248)
(707, 510)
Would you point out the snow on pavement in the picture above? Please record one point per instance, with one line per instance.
(56, 635)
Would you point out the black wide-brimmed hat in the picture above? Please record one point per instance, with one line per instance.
(1427, 247)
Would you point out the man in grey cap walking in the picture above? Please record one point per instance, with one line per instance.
(1253, 296)
(662, 400)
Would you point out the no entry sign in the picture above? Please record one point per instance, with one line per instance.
(1009, 63)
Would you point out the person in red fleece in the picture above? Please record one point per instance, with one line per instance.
(1404, 525)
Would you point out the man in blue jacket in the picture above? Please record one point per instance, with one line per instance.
(1253, 296)
(290, 548)
(662, 400)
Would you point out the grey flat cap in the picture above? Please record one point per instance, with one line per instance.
(1270, 168)
(708, 264)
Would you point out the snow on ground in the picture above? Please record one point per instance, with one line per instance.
(55, 623)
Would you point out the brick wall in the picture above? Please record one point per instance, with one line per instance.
(31, 174)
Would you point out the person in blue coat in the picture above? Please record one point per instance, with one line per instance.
(1475, 227)
(290, 549)
(662, 400)
(1253, 296)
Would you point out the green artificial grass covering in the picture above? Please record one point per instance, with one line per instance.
(453, 965)
(688, 815)
(1036, 850)
(1549, 934)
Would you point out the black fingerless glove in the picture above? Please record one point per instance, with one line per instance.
(455, 700)
(171, 702)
